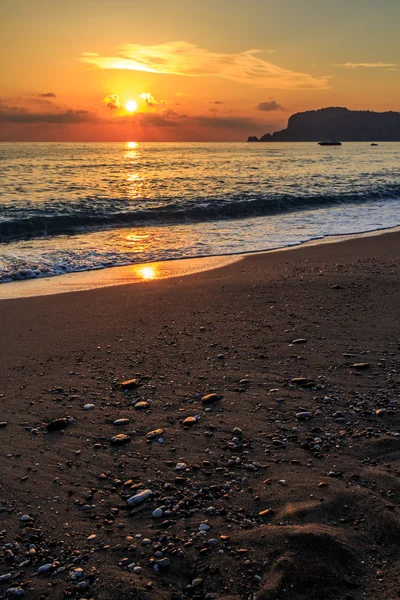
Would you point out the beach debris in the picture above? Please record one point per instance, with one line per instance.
(210, 398)
(139, 497)
(120, 439)
(130, 384)
(57, 424)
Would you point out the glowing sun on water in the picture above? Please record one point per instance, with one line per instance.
(131, 106)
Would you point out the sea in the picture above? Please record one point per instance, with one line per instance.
(69, 207)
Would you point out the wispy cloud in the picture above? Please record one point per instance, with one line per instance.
(16, 114)
(184, 59)
(269, 106)
(376, 65)
(46, 95)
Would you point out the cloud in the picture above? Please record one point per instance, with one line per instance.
(269, 106)
(112, 101)
(150, 100)
(182, 58)
(16, 114)
(46, 95)
(377, 65)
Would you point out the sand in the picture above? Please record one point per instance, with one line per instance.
(282, 488)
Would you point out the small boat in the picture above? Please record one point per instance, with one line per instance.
(330, 143)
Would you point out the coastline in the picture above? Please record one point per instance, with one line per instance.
(281, 484)
(146, 272)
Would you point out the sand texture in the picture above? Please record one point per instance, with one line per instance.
(120, 481)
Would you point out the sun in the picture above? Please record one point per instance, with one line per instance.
(131, 106)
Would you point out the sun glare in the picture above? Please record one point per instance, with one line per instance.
(131, 106)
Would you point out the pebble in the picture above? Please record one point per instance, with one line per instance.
(210, 398)
(57, 424)
(139, 497)
(3, 424)
(361, 365)
(302, 416)
(5, 577)
(163, 562)
(299, 341)
(120, 439)
(141, 404)
(129, 384)
(190, 421)
(16, 592)
(45, 569)
(119, 422)
(181, 467)
(89, 407)
(155, 433)
(157, 513)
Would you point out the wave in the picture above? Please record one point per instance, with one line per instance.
(103, 213)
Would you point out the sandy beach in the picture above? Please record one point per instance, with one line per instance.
(284, 484)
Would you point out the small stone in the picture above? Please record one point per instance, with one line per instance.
(139, 497)
(153, 434)
(299, 341)
(26, 519)
(210, 398)
(129, 384)
(190, 421)
(137, 570)
(157, 513)
(89, 407)
(140, 405)
(303, 416)
(45, 569)
(361, 366)
(204, 527)
(16, 592)
(120, 422)
(301, 381)
(120, 439)
(3, 424)
(57, 424)
(163, 562)
(181, 467)
(238, 432)
(5, 577)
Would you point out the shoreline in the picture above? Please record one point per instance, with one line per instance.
(145, 272)
(286, 484)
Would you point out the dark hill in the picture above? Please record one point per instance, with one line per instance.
(337, 123)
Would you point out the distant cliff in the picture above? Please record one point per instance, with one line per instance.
(338, 124)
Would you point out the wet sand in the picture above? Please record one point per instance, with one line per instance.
(285, 487)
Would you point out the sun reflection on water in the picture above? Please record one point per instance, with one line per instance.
(146, 272)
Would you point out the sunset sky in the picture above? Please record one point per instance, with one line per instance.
(196, 70)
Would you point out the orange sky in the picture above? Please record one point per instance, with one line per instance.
(197, 71)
